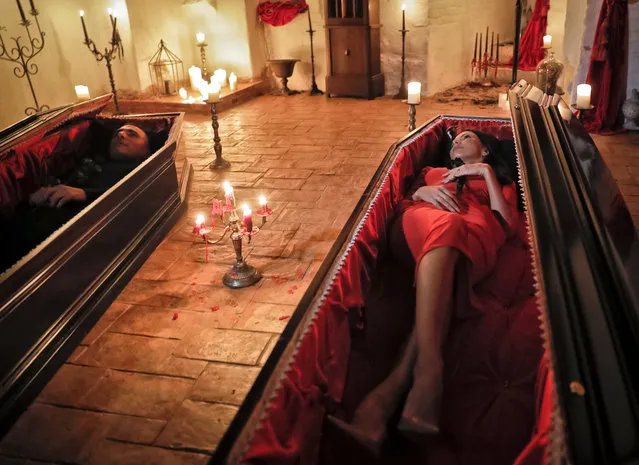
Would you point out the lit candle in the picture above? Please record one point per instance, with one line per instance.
(481, 39)
(203, 87)
(24, 19)
(82, 93)
(84, 27)
(248, 218)
(182, 93)
(492, 43)
(214, 92)
(110, 13)
(195, 75)
(233, 81)
(263, 210)
(114, 32)
(486, 45)
(547, 41)
(220, 75)
(503, 101)
(583, 96)
(200, 37)
(201, 230)
(403, 16)
(228, 194)
(199, 221)
(414, 92)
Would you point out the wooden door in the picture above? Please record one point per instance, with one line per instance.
(348, 50)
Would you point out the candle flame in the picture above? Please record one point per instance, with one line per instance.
(115, 14)
(403, 7)
(246, 209)
(200, 37)
(110, 11)
(262, 200)
(228, 189)
(199, 220)
(81, 12)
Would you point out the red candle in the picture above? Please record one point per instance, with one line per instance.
(264, 210)
(248, 219)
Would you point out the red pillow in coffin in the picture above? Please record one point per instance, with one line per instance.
(350, 325)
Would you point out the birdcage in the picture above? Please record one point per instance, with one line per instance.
(166, 70)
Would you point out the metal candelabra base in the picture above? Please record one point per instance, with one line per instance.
(412, 112)
(241, 275)
(315, 90)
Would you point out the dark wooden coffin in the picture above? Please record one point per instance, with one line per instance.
(548, 375)
(52, 296)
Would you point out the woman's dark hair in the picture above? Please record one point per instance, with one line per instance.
(494, 158)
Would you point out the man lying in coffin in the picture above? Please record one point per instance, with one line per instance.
(58, 200)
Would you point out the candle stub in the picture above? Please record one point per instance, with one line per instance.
(82, 93)
(547, 41)
(583, 96)
(414, 92)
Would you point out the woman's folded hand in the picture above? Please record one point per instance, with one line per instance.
(438, 196)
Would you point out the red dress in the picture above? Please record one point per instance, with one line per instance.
(475, 231)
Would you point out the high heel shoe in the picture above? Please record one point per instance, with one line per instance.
(371, 442)
(422, 409)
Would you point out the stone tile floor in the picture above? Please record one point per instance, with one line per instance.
(146, 387)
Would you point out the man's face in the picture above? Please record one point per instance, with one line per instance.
(129, 142)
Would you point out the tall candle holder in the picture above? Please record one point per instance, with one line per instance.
(241, 274)
(485, 64)
(412, 112)
(21, 55)
(205, 72)
(109, 54)
(219, 163)
(402, 93)
(314, 89)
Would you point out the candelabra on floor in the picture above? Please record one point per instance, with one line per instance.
(21, 55)
(219, 163)
(241, 273)
(412, 112)
(314, 89)
(403, 92)
(109, 54)
(484, 63)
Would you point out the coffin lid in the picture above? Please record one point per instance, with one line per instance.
(35, 126)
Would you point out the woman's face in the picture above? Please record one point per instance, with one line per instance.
(468, 147)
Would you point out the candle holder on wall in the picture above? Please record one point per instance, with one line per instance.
(110, 53)
(241, 274)
(219, 163)
(21, 55)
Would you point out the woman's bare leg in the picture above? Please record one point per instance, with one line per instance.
(372, 414)
(434, 282)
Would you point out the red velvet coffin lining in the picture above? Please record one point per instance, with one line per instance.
(25, 167)
(492, 356)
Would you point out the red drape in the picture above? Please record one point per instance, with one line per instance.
(531, 50)
(608, 68)
(280, 13)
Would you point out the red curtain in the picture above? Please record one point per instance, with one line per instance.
(608, 70)
(531, 47)
(280, 13)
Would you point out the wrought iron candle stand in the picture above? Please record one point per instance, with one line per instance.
(581, 112)
(219, 163)
(412, 112)
(314, 89)
(205, 72)
(241, 274)
(109, 53)
(21, 55)
(402, 93)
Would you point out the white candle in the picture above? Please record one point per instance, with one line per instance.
(203, 87)
(547, 41)
(233, 81)
(214, 92)
(220, 75)
(82, 93)
(200, 37)
(195, 74)
(503, 101)
(403, 7)
(583, 96)
(414, 92)
(182, 93)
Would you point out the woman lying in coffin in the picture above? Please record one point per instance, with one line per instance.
(454, 227)
(59, 200)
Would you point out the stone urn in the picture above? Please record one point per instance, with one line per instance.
(283, 69)
(630, 110)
